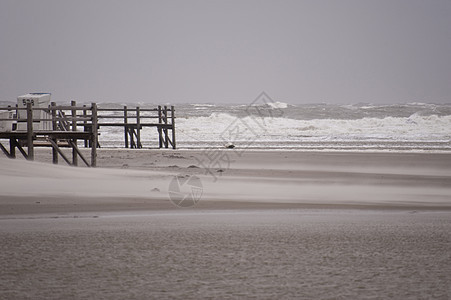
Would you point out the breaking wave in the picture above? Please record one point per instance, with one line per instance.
(278, 125)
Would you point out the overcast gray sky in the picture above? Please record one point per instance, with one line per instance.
(344, 51)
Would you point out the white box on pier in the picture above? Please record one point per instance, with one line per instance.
(37, 100)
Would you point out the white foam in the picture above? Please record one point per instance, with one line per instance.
(413, 128)
(278, 104)
(203, 105)
(420, 129)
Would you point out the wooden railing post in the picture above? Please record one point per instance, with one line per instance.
(173, 126)
(94, 135)
(54, 128)
(165, 119)
(74, 128)
(138, 128)
(125, 126)
(53, 112)
(84, 124)
(12, 148)
(30, 131)
(160, 134)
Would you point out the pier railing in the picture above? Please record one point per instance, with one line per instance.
(62, 126)
(135, 119)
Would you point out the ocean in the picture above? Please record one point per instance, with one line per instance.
(282, 126)
(269, 125)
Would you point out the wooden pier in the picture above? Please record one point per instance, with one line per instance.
(134, 120)
(69, 124)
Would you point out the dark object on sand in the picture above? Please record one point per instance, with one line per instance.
(231, 146)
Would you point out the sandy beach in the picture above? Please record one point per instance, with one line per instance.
(240, 149)
(140, 179)
(267, 224)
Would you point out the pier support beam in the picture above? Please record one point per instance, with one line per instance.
(5, 151)
(160, 133)
(94, 136)
(126, 126)
(54, 128)
(12, 148)
(165, 129)
(138, 129)
(173, 126)
(30, 155)
(74, 128)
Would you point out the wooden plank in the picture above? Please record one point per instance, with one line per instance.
(14, 134)
(22, 150)
(131, 131)
(54, 128)
(63, 123)
(129, 116)
(80, 135)
(125, 127)
(12, 148)
(130, 109)
(30, 132)
(173, 126)
(67, 118)
(75, 147)
(54, 122)
(138, 129)
(55, 153)
(165, 119)
(55, 145)
(94, 136)
(85, 116)
(66, 107)
(159, 128)
(118, 124)
(45, 143)
(5, 151)
(74, 128)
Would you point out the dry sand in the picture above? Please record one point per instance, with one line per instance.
(139, 179)
(293, 225)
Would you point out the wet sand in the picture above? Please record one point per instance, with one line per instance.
(223, 254)
(268, 225)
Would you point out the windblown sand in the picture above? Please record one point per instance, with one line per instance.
(139, 179)
(268, 225)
